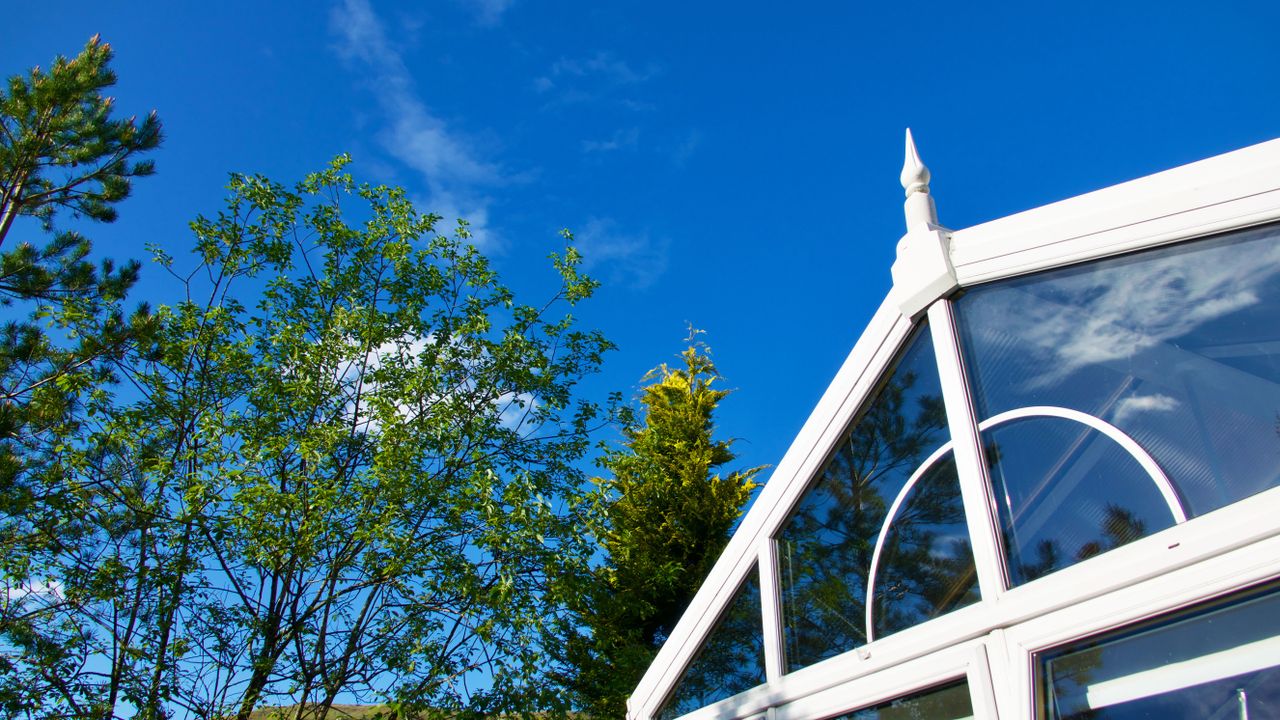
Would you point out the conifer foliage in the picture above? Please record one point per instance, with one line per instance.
(665, 514)
(62, 155)
(61, 151)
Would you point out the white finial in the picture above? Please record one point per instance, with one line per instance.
(915, 176)
(923, 272)
(919, 206)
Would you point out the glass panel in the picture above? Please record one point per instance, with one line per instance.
(825, 547)
(730, 661)
(1220, 662)
(1179, 347)
(1065, 493)
(944, 703)
(926, 565)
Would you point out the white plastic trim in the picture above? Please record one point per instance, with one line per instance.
(1216, 576)
(971, 468)
(1162, 482)
(966, 661)
(1148, 463)
(771, 610)
(884, 530)
(922, 272)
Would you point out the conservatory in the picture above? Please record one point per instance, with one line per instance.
(1045, 483)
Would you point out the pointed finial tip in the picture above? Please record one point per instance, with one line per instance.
(915, 176)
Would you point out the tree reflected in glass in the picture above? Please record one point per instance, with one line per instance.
(926, 568)
(730, 660)
(1066, 493)
(945, 703)
(825, 548)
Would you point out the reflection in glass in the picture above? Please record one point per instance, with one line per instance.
(825, 547)
(1220, 662)
(926, 565)
(945, 703)
(1179, 347)
(1066, 492)
(731, 659)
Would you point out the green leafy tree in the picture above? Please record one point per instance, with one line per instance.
(62, 153)
(345, 471)
(666, 513)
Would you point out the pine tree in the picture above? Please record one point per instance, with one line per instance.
(666, 514)
(61, 154)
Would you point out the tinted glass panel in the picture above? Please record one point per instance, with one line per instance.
(731, 659)
(926, 565)
(1065, 493)
(945, 703)
(1179, 347)
(825, 547)
(1223, 662)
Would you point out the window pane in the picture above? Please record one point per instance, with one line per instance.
(1065, 493)
(926, 566)
(945, 703)
(1219, 662)
(1178, 347)
(825, 547)
(730, 661)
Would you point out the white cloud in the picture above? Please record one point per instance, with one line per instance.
(515, 411)
(1171, 296)
(636, 260)
(48, 588)
(475, 210)
(1130, 407)
(453, 170)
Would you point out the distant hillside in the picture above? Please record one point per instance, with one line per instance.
(337, 712)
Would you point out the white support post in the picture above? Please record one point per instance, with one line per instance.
(771, 610)
(971, 468)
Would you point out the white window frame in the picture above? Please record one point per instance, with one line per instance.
(1211, 555)
(966, 662)
(1219, 566)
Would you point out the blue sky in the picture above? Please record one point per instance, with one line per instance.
(730, 165)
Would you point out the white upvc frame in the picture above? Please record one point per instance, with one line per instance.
(971, 467)
(1213, 576)
(967, 662)
(1212, 554)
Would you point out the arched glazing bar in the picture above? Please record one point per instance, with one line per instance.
(1161, 483)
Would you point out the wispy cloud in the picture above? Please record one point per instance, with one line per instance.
(1092, 319)
(687, 147)
(584, 79)
(489, 12)
(636, 260)
(624, 138)
(454, 171)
